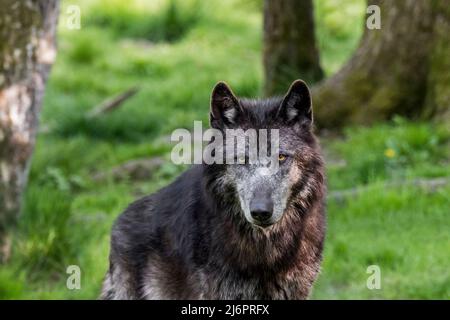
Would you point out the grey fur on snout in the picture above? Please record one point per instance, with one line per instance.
(249, 179)
(261, 205)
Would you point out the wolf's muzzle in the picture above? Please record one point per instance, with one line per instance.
(261, 209)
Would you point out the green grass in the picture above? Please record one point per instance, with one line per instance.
(391, 151)
(175, 51)
(403, 230)
(172, 21)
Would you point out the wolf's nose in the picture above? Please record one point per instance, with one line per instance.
(261, 210)
(261, 215)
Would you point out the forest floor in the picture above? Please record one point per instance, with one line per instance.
(175, 56)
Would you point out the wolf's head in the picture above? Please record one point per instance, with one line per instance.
(264, 195)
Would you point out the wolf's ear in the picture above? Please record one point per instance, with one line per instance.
(225, 107)
(296, 106)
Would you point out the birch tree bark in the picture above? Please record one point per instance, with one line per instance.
(27, 51)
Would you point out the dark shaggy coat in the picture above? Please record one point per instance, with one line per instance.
(191, 241)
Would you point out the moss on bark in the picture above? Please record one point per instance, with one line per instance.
(401, 69)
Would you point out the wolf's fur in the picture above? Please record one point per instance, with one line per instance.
(195, 239)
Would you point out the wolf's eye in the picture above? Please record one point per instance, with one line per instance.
(282, 157)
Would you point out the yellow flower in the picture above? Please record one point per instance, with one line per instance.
(390, 153)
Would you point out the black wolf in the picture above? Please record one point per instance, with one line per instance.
(225, 231)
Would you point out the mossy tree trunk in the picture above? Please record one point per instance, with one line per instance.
(27, 50)
(400, 69)
(290, 50)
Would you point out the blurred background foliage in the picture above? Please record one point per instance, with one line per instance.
(175, 51)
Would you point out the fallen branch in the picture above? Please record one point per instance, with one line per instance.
(112, 103)
(429, 184)
(136, 170)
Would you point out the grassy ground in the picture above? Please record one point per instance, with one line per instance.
(175, 54)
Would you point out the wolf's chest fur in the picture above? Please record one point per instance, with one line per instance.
(211, 259)
(279, 265)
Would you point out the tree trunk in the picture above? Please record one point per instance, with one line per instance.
(27, 50)
(290, 50)
(400, 69)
